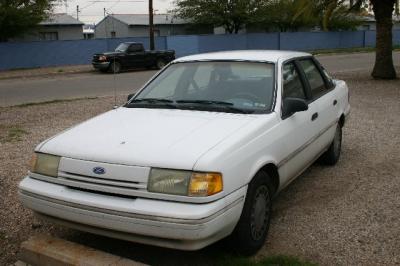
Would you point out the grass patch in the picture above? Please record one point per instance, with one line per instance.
(12, 133)
(54, 101)
(278, 260)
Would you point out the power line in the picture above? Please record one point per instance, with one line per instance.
(113, 1)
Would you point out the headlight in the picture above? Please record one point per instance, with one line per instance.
(103, 58)
(45, 164)
(184, 183)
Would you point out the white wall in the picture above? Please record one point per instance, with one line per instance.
(64, 33)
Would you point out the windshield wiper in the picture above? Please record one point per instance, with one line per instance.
(151, 102)
(208, 102)
(215, 105)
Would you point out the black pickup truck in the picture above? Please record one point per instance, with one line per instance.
(130, 55)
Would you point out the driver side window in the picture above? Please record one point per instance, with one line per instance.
(292, 85)
(133, 48)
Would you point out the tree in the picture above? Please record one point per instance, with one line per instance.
(285, 15)
(332, 15)
(384, 68)
(20, 16)
(383, 11)
(232, 15)
(291, 15)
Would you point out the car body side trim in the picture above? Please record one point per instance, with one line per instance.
(305, 145)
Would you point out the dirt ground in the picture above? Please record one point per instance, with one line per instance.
(348, 214)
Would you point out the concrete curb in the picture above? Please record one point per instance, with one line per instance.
(46, 72)
(46, 250)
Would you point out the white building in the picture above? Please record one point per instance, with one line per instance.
(137, 25)
(56, 27)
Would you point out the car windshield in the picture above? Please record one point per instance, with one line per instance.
(122, 47)
(245, 87)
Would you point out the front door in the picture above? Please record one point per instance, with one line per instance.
(135, 56)
(300, 129)
(323, 95)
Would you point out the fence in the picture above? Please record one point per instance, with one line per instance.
(57, 53)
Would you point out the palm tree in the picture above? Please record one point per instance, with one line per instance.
(383, 11)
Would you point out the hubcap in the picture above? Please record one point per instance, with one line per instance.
(260, 213)
(161, 64)
(116, 67)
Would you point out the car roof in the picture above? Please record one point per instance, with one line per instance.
(245, 55)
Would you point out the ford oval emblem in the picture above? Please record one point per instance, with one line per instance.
(99, 170)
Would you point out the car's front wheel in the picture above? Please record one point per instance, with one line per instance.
(115, 67)
(160, 63)
(332, 155)
(252, 229)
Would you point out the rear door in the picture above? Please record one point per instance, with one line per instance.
(323, 95)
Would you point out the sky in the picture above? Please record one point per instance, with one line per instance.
(92, 11)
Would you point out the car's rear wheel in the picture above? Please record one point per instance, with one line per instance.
(332, 155)
(160, 63)
(115, 67)
(252, 229)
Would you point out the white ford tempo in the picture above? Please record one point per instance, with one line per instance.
(196, 155)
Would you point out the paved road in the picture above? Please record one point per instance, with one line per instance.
(20, 91)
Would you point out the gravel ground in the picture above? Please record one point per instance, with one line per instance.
(343, 215)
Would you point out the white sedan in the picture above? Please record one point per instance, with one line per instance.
(196, 155)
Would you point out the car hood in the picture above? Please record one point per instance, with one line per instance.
(110, 53)
(146, 137)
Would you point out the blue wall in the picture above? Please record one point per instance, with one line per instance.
(57, 53)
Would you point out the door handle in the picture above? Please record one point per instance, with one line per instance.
(334, 102)
(314, 117)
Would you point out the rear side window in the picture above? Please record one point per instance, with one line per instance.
(292, 85)
(135, 47)
(314, 77)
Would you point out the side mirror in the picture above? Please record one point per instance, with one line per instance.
(293, 105)
(130, 96)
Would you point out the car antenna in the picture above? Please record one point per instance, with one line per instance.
(114, 74)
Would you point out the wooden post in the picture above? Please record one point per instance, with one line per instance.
(151, 25)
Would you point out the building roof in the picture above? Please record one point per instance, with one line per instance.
(61, 20)
(245, 55)
(143, 19)
(371, 18)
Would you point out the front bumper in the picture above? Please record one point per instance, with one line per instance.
(101, 65)
(185, 226)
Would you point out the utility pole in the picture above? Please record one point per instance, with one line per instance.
(77, 12)
(66, 6)
(151, 25)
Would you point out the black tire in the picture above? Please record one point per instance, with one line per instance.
(332, 155)
(160, 63)
(115, 67)
(252, 229)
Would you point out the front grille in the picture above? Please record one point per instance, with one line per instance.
(117, 179)
(103, 193)
(83, 180)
